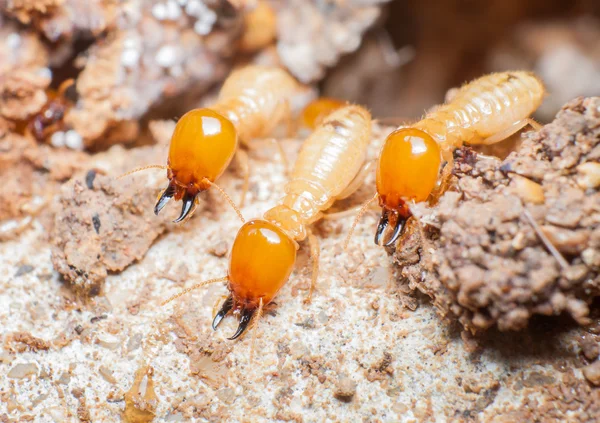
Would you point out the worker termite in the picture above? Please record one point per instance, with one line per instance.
(251, 103)
(50, 117)
(329, 167)
(485, 111)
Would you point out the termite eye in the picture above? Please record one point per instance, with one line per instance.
(262, 259)
(408, 167)
(318, 110)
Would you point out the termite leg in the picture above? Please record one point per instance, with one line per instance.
(225, 308)
(241, 158)
(164, 198)
(511, 130)
(315, 253)
(358, 180)
(534, 124)
(443, 184)
(245, 319)
(255, 321)
(64, 86)
(188, 206)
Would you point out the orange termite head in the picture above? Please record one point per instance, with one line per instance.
(262, 259)
(316, 111)
(407, 170)
(201, 148)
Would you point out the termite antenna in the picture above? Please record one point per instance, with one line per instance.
(255, 321)
(191, 288)
(227, 197)
(360, 214)
(139, 169)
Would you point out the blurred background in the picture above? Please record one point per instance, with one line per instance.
(136, 61)
(422, 48)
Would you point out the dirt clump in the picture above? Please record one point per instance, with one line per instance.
(103, 225)
(313, 35)
(32, 175)
(495, 254)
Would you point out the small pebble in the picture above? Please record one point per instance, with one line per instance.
(57, 139)
(592, 373)
(107, 374)
(194, 8)
(73, 140)
(5, 357)
(590, 348)
(23, 370)
(345, 389)
(173, 10)
(24, 269)
(220, 249)
(108, 341)
(89, 179)
(13, 40)
(96, 222)
(130, 57)
(45, 73)
(159, 11)
(227, 395)
(166, 56)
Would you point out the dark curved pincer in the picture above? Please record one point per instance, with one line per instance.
(225, 308)
(381, 226)
(245, 319)
(398, 229)
(187, 207)
(164, 198)
(384, 221)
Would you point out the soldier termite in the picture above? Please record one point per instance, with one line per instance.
(329, 167)
(485, 111)
(251, 103)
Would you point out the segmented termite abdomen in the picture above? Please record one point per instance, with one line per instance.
(328, 161)
(484, 107)
(254, 98)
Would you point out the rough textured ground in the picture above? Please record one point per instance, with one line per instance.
(364, 350)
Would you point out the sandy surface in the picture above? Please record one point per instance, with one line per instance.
(357, 353)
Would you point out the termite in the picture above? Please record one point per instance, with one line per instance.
(485, 111)
(50, 117)
(251, 103)
(317, 110)
(260, 28)
(329, 167)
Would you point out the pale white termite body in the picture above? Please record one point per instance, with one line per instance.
(256, 100)
(485, 111)
(328, 164)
